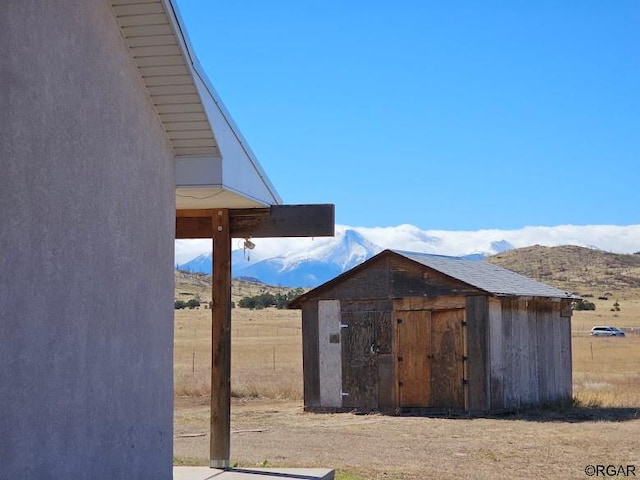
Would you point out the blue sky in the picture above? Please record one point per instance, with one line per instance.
(453, 115)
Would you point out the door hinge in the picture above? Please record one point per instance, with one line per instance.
(399, 384)
(399, 321)
(465, 381)
(464, 323)
(342, 325)
(399, 359)
(344, 394)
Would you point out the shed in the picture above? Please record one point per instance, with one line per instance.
(405, 331)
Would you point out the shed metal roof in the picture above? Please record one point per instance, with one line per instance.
(486, 276)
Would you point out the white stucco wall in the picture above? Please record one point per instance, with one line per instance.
(86, 251)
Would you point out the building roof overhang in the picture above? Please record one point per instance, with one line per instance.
(215, 167)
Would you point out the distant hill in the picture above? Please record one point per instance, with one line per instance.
(581, 270)
(188, 285)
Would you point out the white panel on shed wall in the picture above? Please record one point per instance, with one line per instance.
(330, 353)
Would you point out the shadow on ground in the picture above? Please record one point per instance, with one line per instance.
(568, 414)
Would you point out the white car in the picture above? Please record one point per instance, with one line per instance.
(606, 331)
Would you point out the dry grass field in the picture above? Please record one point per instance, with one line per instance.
(269, 426)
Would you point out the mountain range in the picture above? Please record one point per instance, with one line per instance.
(310, 262)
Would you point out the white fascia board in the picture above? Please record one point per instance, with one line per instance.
(241, 172)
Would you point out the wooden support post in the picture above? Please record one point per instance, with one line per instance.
(220, 431)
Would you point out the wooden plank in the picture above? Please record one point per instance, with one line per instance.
(310, 355)
(359, 360)
(276, 221)
(558, 382)
(567, 385)
(386, 381)
(413, 337)
(410, 279)
(532, 354)
(444, 302)
(496, 355)
(544, 333)
(430, 303)
(220, 433)
(511, 366)
(477, 314)
(285, 221)
(446, 367)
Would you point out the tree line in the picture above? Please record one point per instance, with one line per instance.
(265, 300)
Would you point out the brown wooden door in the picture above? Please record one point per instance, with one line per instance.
(413, 337)
(429, 366)
(447, 368)
(359, 360)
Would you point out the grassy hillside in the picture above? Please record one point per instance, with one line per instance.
(582, 270)
(188, 285)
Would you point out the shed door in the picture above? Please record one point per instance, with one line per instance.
(429, 361)
(413, 337)
(366, 344)
(447, 367)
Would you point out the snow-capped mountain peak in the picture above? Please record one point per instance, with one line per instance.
(307, 262)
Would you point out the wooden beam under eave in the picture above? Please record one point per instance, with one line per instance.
(277, 221)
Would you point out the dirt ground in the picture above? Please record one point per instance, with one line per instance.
(546, 444)
(537, 445)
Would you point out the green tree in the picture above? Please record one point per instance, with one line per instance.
(583, 304)
(193, 303)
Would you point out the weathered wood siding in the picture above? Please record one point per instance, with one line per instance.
(530, 353)
(367, 376)
(496, 355)
(310, 355)
(477, 318)
(408, 279)
(369, 283)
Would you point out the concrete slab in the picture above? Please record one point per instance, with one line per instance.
(206, 473)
